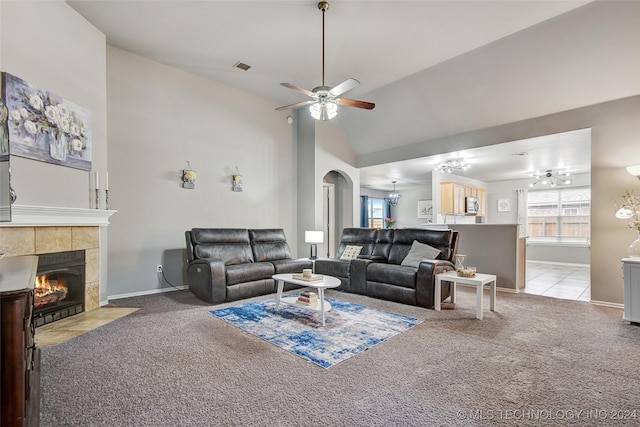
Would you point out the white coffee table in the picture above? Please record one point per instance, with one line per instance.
(322, 305)
(479, 281)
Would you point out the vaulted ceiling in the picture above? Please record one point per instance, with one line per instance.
(433, 68)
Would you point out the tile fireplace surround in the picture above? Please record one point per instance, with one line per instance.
(37, 230)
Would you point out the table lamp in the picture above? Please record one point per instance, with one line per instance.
(314, 237)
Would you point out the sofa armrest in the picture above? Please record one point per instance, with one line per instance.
(358, 276)
(207, 279)
(425, 281)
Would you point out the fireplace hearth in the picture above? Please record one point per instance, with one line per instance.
(60, 286)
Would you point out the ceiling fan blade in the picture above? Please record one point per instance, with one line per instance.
(296, 105)
(344, 87)
(297, 89)
(356, 103)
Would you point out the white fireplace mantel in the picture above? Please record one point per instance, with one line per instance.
(36, 216)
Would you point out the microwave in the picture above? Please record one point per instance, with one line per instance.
(472, 206)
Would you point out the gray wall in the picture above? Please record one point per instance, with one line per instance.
(493, 249)
(159, 118)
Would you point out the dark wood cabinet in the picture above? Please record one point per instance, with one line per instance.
(19, 361)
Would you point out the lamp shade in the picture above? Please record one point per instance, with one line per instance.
(313, 236)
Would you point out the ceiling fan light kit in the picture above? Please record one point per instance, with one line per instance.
(454, 165)
(325, 100)
(552, 178)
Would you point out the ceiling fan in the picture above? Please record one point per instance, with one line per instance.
(325, 100)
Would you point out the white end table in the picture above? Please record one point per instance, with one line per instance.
(479, 281)
(322, 305)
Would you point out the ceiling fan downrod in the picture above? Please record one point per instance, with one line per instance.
(323, 6)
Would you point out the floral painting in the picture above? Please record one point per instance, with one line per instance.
(46, 127)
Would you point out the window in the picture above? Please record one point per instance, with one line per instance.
(560, 215)
(376, 213)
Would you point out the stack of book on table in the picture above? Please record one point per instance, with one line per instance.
(308, 298)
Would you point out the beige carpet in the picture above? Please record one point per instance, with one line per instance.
(535, 361)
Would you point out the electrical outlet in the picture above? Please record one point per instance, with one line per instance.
(159, 269)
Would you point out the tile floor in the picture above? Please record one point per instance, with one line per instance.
(65, 329)
(565, 281)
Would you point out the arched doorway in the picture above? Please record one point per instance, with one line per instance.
(337, 209)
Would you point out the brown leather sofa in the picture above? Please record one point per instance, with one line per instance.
(228, 264)
(378, 271)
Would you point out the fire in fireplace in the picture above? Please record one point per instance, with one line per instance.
(59, 286)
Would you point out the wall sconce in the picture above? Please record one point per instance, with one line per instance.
(313, 237)
(237, 181)
(634, 170)
(188, 177)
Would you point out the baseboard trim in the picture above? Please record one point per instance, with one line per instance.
(149, 292)
(607, 304)
(510, 290)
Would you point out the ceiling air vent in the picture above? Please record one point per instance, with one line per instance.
(242, 65)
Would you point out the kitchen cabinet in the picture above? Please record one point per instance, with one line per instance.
(482, 198)
(452, 198)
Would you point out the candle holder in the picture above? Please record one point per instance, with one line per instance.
(106, 199)
(97, 198)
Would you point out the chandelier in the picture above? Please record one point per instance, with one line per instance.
(454, 165)
(552, 178)
(394, 197)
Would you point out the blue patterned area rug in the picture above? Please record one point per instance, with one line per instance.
(350, 328)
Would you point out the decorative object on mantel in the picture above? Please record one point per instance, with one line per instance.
(454, 165)
(630, 209)
(94, 189)
(550, 177)
(188, 177)
(394, 197)
(237, 181)
(46, 127)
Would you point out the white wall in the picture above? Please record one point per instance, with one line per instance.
(161, 117)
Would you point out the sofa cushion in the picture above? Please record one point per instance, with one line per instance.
(231, 245)
(291, 265)
(365, 237)
(351, 252)
(404, 237)
(419, 251)
(269, 244)
(249, 272)
(392, 274)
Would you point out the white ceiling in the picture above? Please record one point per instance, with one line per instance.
(376, 42)
(501, 162)
(402, 52)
